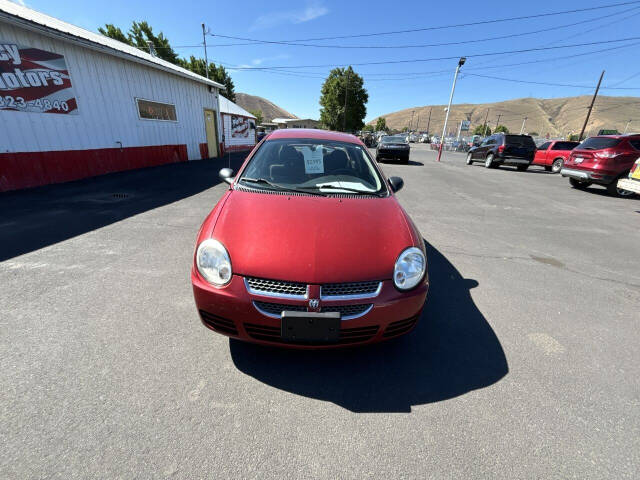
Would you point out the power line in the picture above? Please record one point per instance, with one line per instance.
(547, 83)
(387, 62)
(442, 27)
(254, 41)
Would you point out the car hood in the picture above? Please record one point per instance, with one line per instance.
(313, 239)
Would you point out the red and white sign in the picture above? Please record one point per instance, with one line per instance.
(33, 80)
(240, 127)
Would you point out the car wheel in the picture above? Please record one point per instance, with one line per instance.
(522, 168)
(488, 163)
(469, 159)
(578, 184)
(612, 189)
(556, 166)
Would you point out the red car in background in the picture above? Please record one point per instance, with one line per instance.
(602, 160)
(309, 248)
(552, 155)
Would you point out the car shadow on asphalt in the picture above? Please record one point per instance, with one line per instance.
(452, 351)
(35, 218)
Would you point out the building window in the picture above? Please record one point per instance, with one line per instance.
(148, 110)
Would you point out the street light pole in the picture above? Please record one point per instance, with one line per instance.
(429, 121)
(453, 89)
(484, 128)
(522, 128)
(344, 122)
(627, 126)
(497, 122)
(206, 60)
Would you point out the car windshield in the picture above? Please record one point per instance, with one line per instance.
(313, 165)
(395, 139)
(598, 143)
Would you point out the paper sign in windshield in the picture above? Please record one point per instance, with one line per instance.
(313, 162)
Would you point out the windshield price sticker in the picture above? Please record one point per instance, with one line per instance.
(313, 160)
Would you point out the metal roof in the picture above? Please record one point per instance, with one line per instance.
(227, 106)
(30, 19)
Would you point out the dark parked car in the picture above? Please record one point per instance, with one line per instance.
(552, 155)
(393, 147)
(504, 149)
(602, 160)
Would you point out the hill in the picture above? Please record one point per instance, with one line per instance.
(269, 110)
(555, 116)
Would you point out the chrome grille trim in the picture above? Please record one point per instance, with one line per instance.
(347, 287)
(268, 288)
(329, 308)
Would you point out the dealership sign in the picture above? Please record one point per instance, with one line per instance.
(33, 80)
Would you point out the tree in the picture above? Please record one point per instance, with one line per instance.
(482, 130)
(573, 137)
(367, 128)
(381, 124)
(258, 115)
(501, 128)
(340, 84)
(141, 33)
(216, 73)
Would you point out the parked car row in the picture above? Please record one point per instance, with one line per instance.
(606, 160)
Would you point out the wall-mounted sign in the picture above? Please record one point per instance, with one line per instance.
(464, 125)
(240, 126)
(149, 110)
(33, 80)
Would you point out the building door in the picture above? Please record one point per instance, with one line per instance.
(211, 126)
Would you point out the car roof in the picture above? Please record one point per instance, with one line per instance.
(314, 134)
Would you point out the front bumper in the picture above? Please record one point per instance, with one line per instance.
(629, 184)
(393, 154)
(231, 311)
(587, 176)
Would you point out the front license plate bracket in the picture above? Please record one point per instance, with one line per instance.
(310, 327)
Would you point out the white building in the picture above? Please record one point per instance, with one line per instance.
(296, 123)
(239, 126)
(74, 104)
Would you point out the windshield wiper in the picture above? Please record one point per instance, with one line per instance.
(281, 187)
(349, 189)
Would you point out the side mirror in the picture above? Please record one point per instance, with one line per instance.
(226, 175)
(396, 183)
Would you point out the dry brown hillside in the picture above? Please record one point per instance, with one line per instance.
(556, 116)
(269, 110)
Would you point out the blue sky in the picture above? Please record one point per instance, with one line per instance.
(391, 87)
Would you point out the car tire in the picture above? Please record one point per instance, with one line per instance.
(614, 191)
(469, 159)
(488, 163)
(522, 168)
(557, 164)
(578, 184)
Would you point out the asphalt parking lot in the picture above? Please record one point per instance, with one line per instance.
(524, 364)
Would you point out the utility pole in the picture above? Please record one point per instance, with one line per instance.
(206, 60)
(497, 122)
(411, 122)
(484, 128)
(417, 122)
(344, 123)
(586, 120)
(627, 126)
(446, 117)
(522, 128)
(429, 121)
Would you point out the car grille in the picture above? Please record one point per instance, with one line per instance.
(347, 335)
(346, 311)
(276, 287)
(349, 289)
(219, 324)
(400, 327)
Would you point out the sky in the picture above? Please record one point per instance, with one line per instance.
(422, 73)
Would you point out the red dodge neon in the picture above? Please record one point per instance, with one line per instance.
(309, 248)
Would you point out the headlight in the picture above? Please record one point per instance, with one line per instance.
(409, 268)
(213, 262)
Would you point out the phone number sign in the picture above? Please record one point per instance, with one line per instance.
(33, 80)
